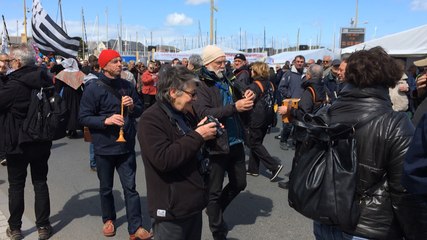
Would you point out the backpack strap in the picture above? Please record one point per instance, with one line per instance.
(313, 93)
(262, 87)
(259, 85)
(108, 88)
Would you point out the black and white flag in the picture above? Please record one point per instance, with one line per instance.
(49, 37)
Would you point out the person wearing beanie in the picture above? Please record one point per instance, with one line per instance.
(241, 73)
(108, 106)
(215, 97)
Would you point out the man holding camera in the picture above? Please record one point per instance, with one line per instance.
(226, 152)
(175, 165)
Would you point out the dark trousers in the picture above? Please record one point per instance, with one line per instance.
(258, 153)
(219, 197)
(413, 211)
(286, 132)
(36, 155)
(182, 229)
(148, 100)
(125, 165)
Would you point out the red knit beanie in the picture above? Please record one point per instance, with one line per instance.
(106, 56)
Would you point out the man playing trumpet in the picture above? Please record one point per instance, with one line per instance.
(110, 105)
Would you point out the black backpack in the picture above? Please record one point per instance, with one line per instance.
(264, 107)
(46, 118)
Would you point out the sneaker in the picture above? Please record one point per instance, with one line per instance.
(278, 136)
(108, 229)
(284, 185)
(276, 172)
(45, 232)
(142, 234)
(252, 174)
(3, 161)
(14, 234)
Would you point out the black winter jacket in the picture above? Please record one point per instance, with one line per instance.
(381, 147)
(97, 104)
(175, 187)
(15, 97)
(210, 102)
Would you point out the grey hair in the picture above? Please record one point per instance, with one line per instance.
(315, 71)
(25, 53)
(195, 60)
(177, 77)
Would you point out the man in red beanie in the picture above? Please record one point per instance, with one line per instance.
(110, 104)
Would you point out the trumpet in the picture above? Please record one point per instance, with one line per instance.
(121, 137)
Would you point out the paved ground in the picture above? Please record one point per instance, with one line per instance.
(260, 212)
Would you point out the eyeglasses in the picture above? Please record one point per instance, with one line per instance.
(220, 62)
(325, 61)
(191, 94)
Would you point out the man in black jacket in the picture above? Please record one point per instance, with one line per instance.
(109, 106)
(226, 153)
(21, 150)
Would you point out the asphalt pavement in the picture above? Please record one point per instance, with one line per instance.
(261, 211)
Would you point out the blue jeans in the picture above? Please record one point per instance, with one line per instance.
(92, 161)
(125, 165)
(327, 232)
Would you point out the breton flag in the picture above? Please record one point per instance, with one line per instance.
(49, 37)
(4, 41)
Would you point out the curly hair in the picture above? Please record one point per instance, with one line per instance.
(260, 69)
(373, 67)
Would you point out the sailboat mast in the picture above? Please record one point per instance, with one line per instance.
(24, 39)
(83, 34)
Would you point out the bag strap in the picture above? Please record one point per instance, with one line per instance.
(259, 85)
(313, 93)
(108, 88)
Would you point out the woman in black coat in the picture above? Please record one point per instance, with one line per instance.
(381, 146)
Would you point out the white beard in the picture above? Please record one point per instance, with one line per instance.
(219, 73)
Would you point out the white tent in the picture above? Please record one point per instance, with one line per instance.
(409, 43)
(315, 54)
(229, 53)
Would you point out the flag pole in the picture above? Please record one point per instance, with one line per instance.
(24, 39)
(5, 29)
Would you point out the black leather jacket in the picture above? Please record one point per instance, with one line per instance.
(382, 145)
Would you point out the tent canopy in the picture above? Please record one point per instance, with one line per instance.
(409, 43)
(315, 54)
(229, 53)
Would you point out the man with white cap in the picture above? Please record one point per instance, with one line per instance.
(215, 97)
(421, 92)
(422, 78)
(109, 105)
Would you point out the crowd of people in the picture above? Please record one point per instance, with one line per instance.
(195, 117)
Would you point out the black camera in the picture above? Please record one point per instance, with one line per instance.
(219, 130)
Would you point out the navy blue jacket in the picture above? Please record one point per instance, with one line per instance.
(97, 104)
(290, 85)
(415, 166)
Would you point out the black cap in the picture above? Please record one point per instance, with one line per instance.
(336, 62)
(240, 56)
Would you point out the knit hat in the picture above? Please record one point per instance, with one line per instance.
(106, 56)
(210, 53)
